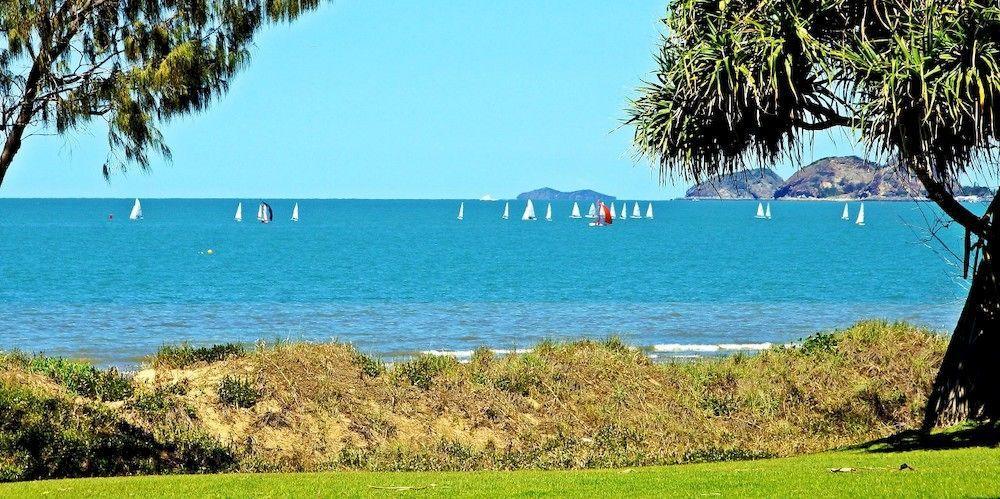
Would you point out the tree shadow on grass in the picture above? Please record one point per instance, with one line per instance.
(965, 435)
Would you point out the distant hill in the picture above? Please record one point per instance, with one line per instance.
(549, 194)
(838, 177)
(751, 184)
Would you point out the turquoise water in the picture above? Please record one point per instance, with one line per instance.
(396, 277)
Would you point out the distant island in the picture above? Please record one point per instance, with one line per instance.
(835, 178)
(549, 194)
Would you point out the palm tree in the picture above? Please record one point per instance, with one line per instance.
(742, 83)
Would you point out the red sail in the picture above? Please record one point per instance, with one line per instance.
(606, 214)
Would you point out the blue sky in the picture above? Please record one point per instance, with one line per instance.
(405, 99)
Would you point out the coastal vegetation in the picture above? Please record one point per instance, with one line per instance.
(583, 404)
(132, 65)
(744, 83)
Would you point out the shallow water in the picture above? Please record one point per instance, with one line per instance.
(396, 277)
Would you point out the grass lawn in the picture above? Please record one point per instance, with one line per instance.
(947, 470)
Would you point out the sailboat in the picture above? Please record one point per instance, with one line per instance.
(239, 212)
(636, 213)
(592, 212)
(506, 211)
(264, 213)
(461, 211)
(845, 215)
(767, 212)
(861, 215)
(548, 213)
(295, 212)
(605, 217)
(649, 210)
(136, 211)
(613, 214)
(576, 211)
(760, 211)
(529, 212)
(624, 213)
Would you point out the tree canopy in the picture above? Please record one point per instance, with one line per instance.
(745, 82)
(134, 63)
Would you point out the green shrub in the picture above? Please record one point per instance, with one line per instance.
(44, 436)
(820, 342)
(83, 379)
(183, 355)
(238, 392)
(420, 371)
(370, 366)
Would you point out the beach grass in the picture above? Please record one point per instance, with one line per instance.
(958, 472)
(315, 407)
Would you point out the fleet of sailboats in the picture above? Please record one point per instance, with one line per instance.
(136, 211)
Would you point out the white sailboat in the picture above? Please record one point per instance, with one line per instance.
(592, 212)
(624, 213)
(636, 213)
(861, 215)
(548, 213)
(461, 211)
(295, 212)
(529, 212)
(576, 211)
(612, 208)
(649, 210)
(265, 213)
(506, 211)
(846, 215)
(239, 212)
(767, 212)
(760, 211)
(136, 211)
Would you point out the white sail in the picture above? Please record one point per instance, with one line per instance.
(506, 211)
(767, 212)
(846, 215)
(592, 212)
(529, 212)
(760, 210)
(136, 211)
(636, 213)
(576, 211)
(239, 212)
(861, 215)
(461, 211)
(548, 213)
(649, 210)
(624, 213)
(260, 212)
(295, 212)
(612, 208)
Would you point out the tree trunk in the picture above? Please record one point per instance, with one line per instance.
(968, 382)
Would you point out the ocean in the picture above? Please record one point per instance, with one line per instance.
(396, 277)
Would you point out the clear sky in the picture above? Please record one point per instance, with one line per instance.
(405, 99)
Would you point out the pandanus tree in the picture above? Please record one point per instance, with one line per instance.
(133, 64)
(742, 83)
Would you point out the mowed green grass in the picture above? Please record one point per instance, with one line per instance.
(964, 472)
